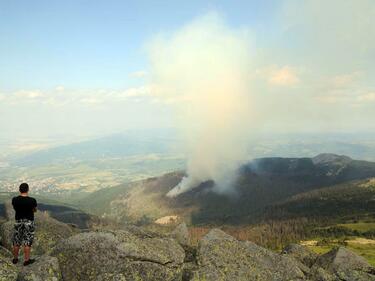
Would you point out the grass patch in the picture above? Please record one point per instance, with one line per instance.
(320, 250)
(366, 250)
(360, 226)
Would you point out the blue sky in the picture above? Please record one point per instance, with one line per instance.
(100, 67)
(96, 44)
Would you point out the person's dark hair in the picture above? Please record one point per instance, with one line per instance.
(24, 187)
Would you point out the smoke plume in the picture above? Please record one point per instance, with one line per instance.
(203, 71)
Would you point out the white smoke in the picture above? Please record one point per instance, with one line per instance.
(203, 70)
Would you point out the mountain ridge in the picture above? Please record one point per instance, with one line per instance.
(261, 182)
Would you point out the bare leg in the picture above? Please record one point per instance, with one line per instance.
(26, 251)
(16, 250)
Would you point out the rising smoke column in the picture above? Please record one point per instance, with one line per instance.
(202, 70)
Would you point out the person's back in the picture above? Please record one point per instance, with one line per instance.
(24, 207)
(24, 228)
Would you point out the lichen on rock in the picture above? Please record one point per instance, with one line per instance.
(8, 272)
(45, 268)
(222, 257)
(135, 256)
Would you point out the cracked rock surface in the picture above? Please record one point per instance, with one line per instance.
(136, 254)
(124, 254)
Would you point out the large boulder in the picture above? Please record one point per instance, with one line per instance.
(222, 257)
(181, 234)
(48, 232)
(346, 265)
(45, 268)
(300, 253)
(319, 274)
(131, 254)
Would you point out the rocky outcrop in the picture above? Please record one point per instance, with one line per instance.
(6, 232)
(119, 255)
(181, 234)
(221, 257)
(8, 272)
(5, 253)
(45, 268)
(135, 254)
(300, 253)
(319, 274)
(48, 232)
(346, 265)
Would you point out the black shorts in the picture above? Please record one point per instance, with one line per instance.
(23, 232)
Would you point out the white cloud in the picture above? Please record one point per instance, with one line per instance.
(284, 76)
(345, 80)
(331, 98)
(346, 97)
(60, 88)
(142, 91)
(91, 101)
(139, 74)
(58, 96)
(369, 97)
(28, 94)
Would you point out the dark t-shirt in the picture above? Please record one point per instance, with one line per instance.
(24, 207)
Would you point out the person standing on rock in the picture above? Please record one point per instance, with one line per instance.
(25, 207)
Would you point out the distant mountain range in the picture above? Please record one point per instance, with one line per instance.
(263, 184)
(114, 146)
(168, 141)
(266, 188)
